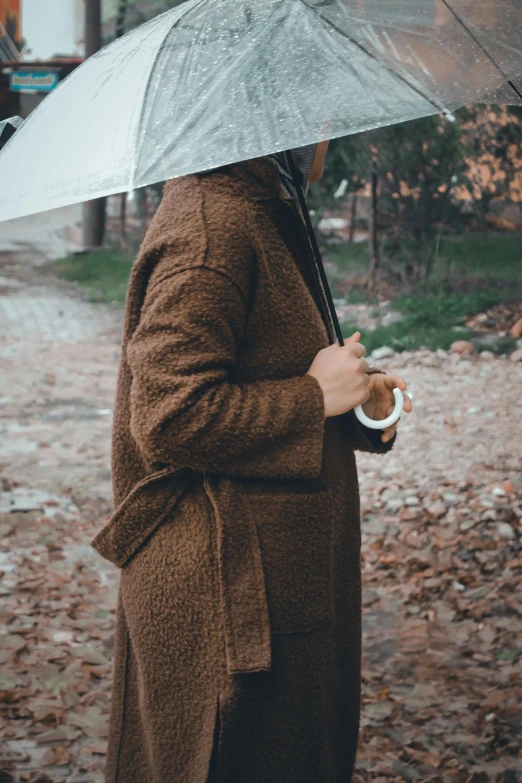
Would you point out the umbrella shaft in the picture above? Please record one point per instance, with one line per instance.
(315, 248)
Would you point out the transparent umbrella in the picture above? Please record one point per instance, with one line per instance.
(213, 82)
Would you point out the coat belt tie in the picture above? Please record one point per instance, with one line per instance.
(241, 578)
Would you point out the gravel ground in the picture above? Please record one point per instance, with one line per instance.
(441, 540)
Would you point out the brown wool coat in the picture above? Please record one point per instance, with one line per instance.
(237, 653)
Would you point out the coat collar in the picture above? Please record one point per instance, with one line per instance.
(257, 179)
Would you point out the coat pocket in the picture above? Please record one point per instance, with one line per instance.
(139, 514)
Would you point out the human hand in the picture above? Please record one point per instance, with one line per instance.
(381, 401)
(342, 375)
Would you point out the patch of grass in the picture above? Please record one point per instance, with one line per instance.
(485, 257)
(471, 257)
(433, 321)
(348, 260)
(104, 274)
(357, 297)
(402, 337)
(434, 313)
(351, 259)
(447, 308)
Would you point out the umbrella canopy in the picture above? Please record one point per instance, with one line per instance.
(213, 82)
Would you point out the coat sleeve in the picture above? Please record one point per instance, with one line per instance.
(187, 407)
(363, 438)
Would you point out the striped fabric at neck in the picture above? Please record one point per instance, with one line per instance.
(303, 158)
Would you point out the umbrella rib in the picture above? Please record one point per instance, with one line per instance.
(515, 88)
(4, 51)
(481, 46)
(182, 15)
(376, 59)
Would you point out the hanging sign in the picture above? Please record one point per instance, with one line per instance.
(39, 81)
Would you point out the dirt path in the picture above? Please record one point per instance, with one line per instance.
(59, 356)
(443, 571)
(442, 558)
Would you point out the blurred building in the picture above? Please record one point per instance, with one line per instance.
(32, 80)
(52, 39)
(10, 28)
(10, 46)
(53, 28)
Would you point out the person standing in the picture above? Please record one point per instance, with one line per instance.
(236, 523)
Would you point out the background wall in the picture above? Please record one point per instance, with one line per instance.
(54, 27)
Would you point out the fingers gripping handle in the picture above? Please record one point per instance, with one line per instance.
(391, 419)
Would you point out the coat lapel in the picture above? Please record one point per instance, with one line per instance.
(259, 180)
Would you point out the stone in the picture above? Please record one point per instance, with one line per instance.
(411, 500)
(394, 504)
(462, 347)
(516, 356)
(436, 509)
(384, 352)
(441, 353)
(505, 530)
(391, 318)
(487, 355)
(374, 526)
(26, 500)
(22, 502)
(516, 329)
(450, 497)
(429, 360)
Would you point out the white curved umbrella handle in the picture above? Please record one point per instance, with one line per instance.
(392, 418)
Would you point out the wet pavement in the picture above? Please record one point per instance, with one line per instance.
(47, 235)
(59, 356)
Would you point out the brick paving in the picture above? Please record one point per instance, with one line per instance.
(59, 356)
(55, 319)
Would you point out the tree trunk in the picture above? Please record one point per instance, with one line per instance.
(120, 19)
(374, 234)
(144, 212)
(123, 221)
(353, 216)
(93, 210)
(432, 259)
(118, 32)
(413, 268)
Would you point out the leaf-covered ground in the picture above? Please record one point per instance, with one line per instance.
(442, 560)
(441, 683)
